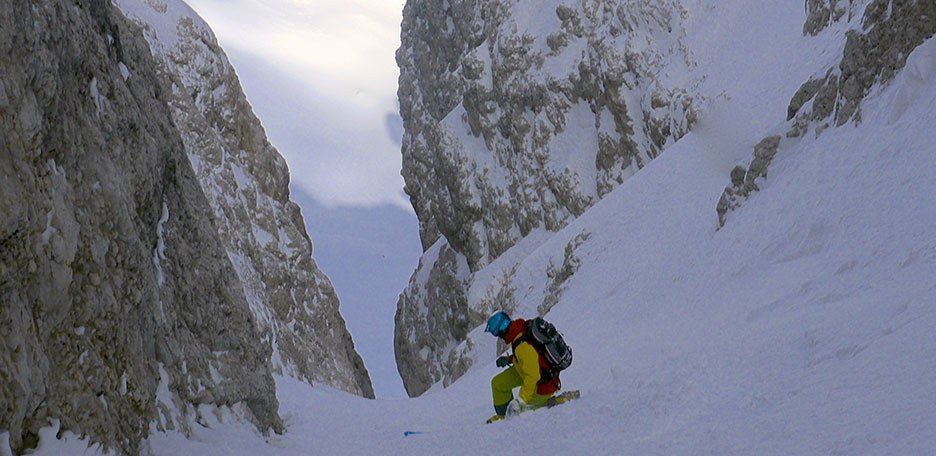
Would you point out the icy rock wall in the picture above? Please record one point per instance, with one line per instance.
(822, 13)
(519, 116)
(247, 184)
(876, 49)
(874, 53)
(114, 284)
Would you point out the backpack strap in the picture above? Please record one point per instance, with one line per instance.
(523, 337)
(546, 374)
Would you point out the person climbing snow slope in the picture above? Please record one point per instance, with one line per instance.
(526, 368)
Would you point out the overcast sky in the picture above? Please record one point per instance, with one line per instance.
(331, 64)
(321, 76)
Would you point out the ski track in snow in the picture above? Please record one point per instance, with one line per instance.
(804, 326)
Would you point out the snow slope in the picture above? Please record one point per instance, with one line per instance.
(804, 326)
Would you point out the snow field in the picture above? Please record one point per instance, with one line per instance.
(803, 326)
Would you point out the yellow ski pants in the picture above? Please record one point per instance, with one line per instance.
(502, 386)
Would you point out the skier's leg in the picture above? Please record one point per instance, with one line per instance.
(502, 386)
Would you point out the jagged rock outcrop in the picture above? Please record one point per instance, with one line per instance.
(441, 282)
(150, 258)
(518, 117)
(247, 185)
(874, 53)
(890, 30)
(822, 13)
(114, 284)
(743, 181)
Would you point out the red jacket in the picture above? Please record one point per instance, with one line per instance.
(516, 330)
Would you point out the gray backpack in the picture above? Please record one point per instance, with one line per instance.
(548, 341)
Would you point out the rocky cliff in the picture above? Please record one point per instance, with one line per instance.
(519, 116)
(123, 305)
(113, 278)
(880, 34)
(246, 182)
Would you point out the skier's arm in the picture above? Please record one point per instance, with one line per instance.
(527, 364)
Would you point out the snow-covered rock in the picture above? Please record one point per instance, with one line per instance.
(510, 109)
(152, 267)
(247, 184)
(803, 326)
(114, 284)
(519, 116)
(875, 50)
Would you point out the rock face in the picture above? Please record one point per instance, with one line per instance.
(113, 278)
(874, 53)
(743, 181)
(247, 185)
(822, 13)
(129, 296)
(519, 116)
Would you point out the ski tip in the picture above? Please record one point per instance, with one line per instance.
(409, 433)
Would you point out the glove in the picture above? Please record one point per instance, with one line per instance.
(513, 409)
(518, 406)
(503, 361)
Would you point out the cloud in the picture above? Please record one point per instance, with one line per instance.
(394, 125)
(346, 45)
(322, 77)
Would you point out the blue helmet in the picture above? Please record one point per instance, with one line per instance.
(498, 323)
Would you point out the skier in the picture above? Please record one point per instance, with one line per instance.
(526, 366)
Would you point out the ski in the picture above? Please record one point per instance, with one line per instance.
(562, 398)
(553, 401)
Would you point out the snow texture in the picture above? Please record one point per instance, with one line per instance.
(804, 326)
